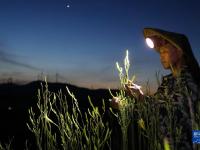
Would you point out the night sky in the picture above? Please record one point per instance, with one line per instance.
(79, 41)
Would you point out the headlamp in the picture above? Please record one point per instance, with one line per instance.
(150, 42)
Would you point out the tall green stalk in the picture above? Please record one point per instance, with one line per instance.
(56, 125)
(148, 114)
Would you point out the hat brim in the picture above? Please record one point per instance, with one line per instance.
(154, 33)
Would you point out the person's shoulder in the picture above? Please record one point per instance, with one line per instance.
(167, 77)
(186, 74)
(187, 77)
(166, 81)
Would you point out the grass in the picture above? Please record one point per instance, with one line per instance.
(59, 123)
(148, 114)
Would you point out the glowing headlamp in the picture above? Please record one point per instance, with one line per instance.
(150, 42)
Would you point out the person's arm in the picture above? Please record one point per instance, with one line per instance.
(134, 91)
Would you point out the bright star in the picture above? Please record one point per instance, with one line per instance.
(67, 6)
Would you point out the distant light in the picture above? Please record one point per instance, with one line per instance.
(9, 108)
(67, 6)
(150, 42)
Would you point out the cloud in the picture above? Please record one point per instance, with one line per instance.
(11, 59)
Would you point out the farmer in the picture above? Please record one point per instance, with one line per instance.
(182, 86)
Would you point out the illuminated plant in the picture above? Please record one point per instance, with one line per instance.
(56, 125)
(147, 115)
(124, 114)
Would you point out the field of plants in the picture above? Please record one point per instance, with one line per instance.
(60, 123)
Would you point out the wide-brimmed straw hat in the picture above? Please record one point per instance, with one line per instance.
(158, 35)
(180, 41)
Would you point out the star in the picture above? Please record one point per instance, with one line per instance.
(67, 6)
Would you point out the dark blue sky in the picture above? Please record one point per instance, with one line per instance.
(82, 43)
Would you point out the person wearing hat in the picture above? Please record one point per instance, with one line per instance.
(182, 85)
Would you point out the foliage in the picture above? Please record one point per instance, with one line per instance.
(60, 126)
(59, 123)
(147, 115)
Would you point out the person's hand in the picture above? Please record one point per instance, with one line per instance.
(134, 90)
(115, 103)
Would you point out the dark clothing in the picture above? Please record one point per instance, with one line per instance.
(176, 99)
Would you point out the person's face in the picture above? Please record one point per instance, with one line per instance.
(169, 56)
